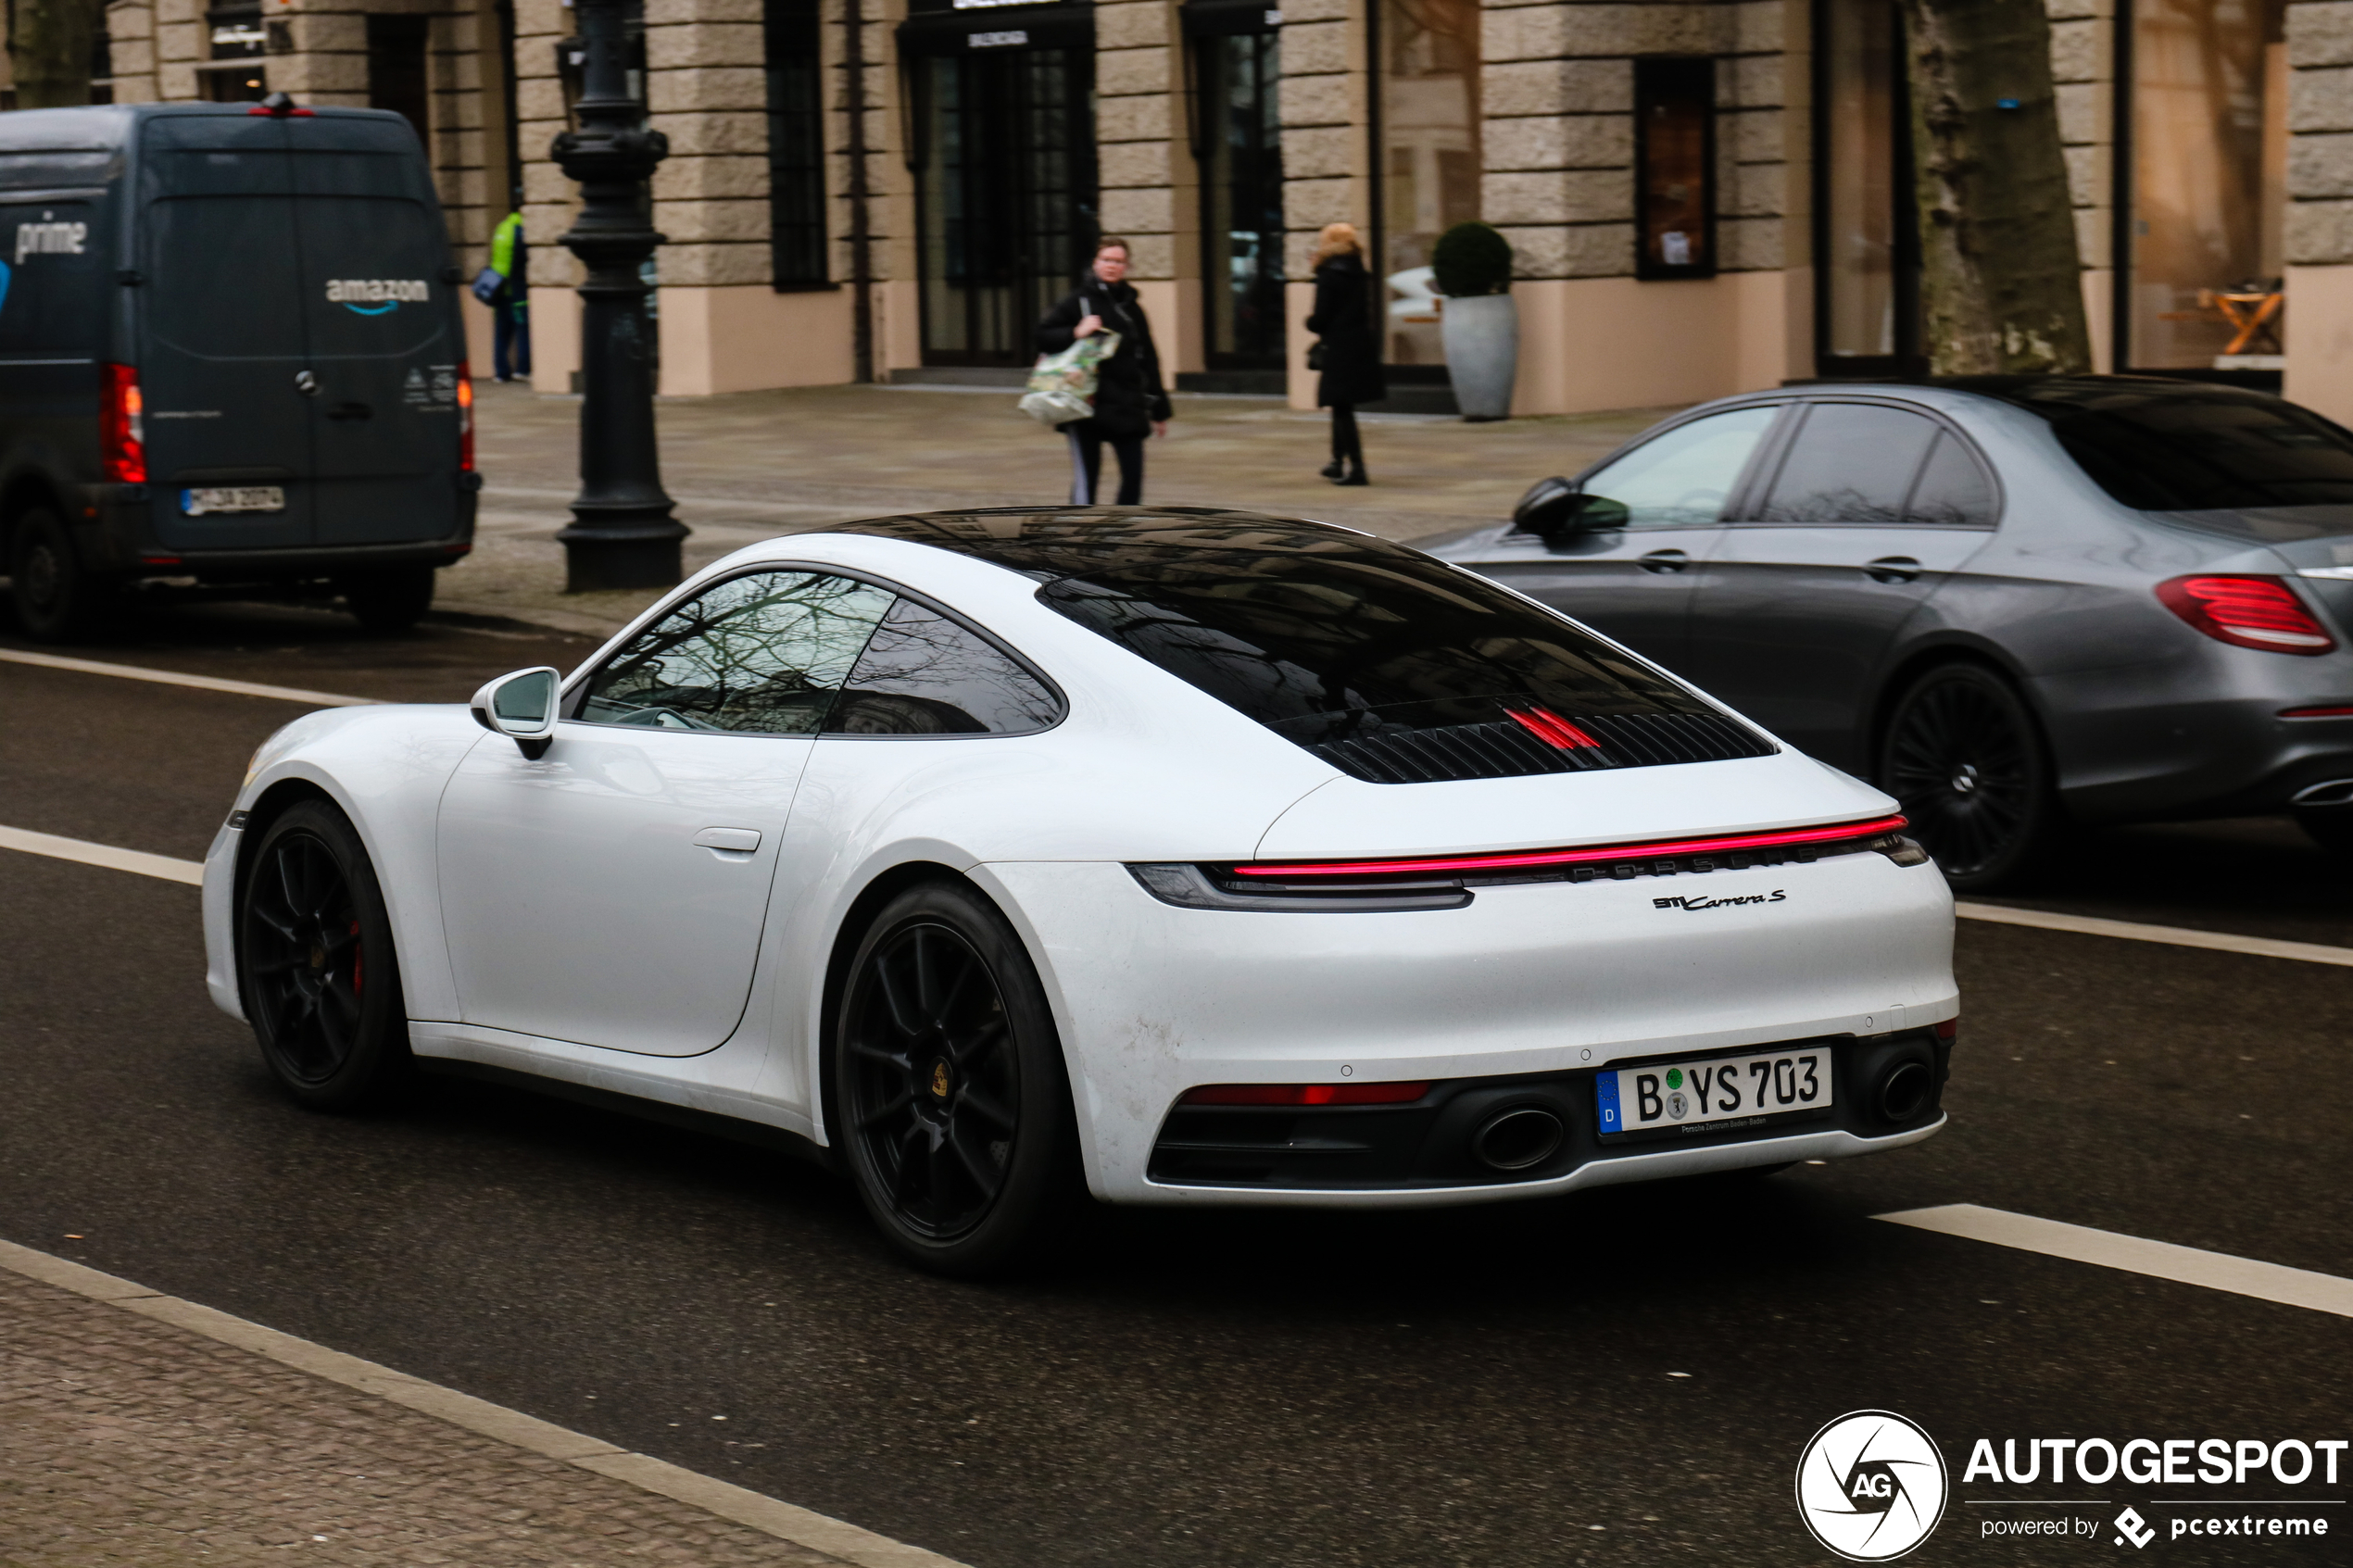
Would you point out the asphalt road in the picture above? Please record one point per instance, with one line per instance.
(1626, 1377)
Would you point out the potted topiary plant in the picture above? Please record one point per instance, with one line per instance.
(1471, 265)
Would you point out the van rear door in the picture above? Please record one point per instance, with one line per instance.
(226, 421)
(386, 342)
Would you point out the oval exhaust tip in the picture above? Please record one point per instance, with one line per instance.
(1904, 1091)
(1517, 1139)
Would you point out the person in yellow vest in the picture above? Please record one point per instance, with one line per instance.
(510, 305)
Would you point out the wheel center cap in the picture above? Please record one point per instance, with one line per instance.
(318, 958)
(1965, 779)
(940, 1080)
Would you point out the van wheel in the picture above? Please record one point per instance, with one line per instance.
(56, 598)
(391, 600)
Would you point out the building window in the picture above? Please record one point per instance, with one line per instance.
(396, 79)
(1236, 124)
(796, 145)
(1427, 144)
(2206, 188)
(1866, 272)
(1675, 167)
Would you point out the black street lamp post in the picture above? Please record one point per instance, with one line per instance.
(622, 534)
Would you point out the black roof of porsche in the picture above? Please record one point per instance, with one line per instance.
(1053, 543)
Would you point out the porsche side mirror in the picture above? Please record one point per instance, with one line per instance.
(522, 708)
(1555, 511)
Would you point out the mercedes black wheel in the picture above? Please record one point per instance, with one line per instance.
(56, 598)
(1965, 758)
(952, 1108)
(392, 599)
(315, 962)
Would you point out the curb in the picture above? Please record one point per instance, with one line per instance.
(783, 1520)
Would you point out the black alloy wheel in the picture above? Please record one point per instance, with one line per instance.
(56, 598)
(315, 964)
(953, 1106)
(1965, 758)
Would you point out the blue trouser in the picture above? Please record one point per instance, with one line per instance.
(510, 338)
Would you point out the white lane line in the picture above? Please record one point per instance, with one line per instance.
(173, 678)
(106, 855)
(2174, 935)
(2158, 1260)
(783, 1520)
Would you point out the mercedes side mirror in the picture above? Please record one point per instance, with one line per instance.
(522, 708)
(1555, 511)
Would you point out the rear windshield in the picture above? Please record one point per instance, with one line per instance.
(2173, 451)
(1339, 644)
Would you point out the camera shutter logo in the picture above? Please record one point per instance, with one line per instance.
(1872, 1486)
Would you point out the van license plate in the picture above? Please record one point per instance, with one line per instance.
(234, 499)
(1689, 1099)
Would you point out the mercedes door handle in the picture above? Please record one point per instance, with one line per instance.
(1891, 569)
(733, 841)
(1664, 561)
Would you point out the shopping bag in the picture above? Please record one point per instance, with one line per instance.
(487, 284)
(1062, 386)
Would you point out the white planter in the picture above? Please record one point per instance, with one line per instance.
(1482, 353)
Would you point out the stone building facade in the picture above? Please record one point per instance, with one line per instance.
(1702, 195)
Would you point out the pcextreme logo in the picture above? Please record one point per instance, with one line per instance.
(1872, 1486)
(375, 297)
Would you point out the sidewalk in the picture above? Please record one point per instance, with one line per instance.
(138, 1428)
(748, 466)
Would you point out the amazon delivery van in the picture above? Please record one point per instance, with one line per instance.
(230, 350)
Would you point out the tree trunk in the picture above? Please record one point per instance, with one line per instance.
(50, 42)
(2001, 283)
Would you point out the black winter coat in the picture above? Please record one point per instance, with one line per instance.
(1128, 395)
(1343, 320)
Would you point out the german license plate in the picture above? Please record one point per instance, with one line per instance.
(234, 499)
(1686, 1098)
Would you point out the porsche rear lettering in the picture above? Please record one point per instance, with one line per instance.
(1775, 897)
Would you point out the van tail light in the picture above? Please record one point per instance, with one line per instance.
(2248, 613)
(122, 426)
(465, 418)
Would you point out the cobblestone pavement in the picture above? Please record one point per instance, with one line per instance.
(125, 1440)
(748, 466)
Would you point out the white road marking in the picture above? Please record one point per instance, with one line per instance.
(2174, 935)
(106, 855)
(173, 678)
(783, 1520)
(2158, 1260)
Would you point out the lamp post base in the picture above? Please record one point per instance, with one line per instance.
(596, 558)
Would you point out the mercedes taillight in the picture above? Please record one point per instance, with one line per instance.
(122, 430)
(465, 418)
(2248, 613)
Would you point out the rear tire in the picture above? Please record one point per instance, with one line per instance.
(391, 600)
(56, 598)
(1965, 758)
(316, 966)
(951, 1107)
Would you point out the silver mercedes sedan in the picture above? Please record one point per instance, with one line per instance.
(2011, 602)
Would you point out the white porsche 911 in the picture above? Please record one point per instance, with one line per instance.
(1178, 856)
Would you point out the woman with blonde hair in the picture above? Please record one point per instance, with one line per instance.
(1348, 346)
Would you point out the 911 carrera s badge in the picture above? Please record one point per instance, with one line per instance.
(1775, 897)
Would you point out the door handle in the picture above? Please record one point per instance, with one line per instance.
(1664, 561)
(307, 383)
(1891, 569)
(734, 841)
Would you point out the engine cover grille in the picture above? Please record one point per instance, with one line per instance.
(1506, 748)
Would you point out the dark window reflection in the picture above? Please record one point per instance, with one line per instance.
(1853, 462)
(923, 675)
(1954, 491)
(1339, 644)
(764, 654)
(2202, 449)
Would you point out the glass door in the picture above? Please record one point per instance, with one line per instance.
(1242, 193)
(1427, 144)
(1866, 243)
(1005, 195)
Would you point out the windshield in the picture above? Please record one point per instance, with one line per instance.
(2187, 448)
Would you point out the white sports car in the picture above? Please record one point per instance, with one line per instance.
(1178, 856)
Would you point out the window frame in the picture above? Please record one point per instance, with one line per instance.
(1784, 440)
(575, 686)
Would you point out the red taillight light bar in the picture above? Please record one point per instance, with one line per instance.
(2337, 710)
(1531, 859)
(2248, 613)
(465, 418)
(1303, 1094)
(122, 428)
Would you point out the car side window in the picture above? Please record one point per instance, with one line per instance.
(1851, 462)
(1684, 477)
(1953, 490)
(766, 653)
(925, 674)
